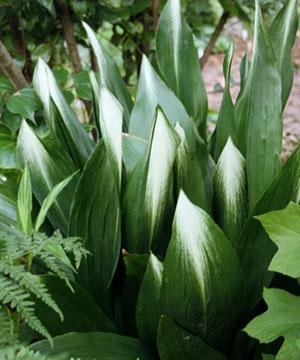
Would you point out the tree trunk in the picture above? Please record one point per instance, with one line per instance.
(10, 69)
(155, 4)
(69, 34)
(18, 38)
(212, 41)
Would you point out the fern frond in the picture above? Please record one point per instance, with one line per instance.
(17, 298)
(31, 283)
(7, 333)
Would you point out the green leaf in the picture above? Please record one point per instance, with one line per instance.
(258, 115)
(95, 217)
(60, 117)
(49, 200)
(255, 249)
(133, 149)
(81, 313)
(46, 170)
(178, 61)
(176, 343)
(109, 74)
(25, 202)
(283, 30)
(8, 149)
(225, 123)
(8, 203)
(49, 5)
(96, 346)
(281, 319)
(148, 304)
(151, 92)
(202, 288)
(194, 170)
(110, 123)
(283, 227)
(147, 216)
(24, 103)
(231, 192)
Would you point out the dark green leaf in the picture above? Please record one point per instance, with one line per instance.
(96, 346)
(80, 311)
(258, 115)
(283, 30)
(146, 216)
(60, 117)
(95, 217)
(202, 288)
(230, 195)
(225, 123)
(46, 170)
(8, 149)
(148, 304)
(178, 61)
(175, 343)
(109, 74)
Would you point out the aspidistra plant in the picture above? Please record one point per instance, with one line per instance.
(178, 260)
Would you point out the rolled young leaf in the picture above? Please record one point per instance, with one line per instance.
(178, 61)
(175, 343)
(283, 31)
(258, 115)
(96, 346)
(95, 217)
(109, 74)
(148, 304)
(46, 170)
(230, 192)
(60, 117)
(148, 197)
(151, 92)
(202, 287)
(225, 123)
(25, 202)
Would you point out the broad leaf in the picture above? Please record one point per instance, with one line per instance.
(47, 170)
(283, 227)
(60, 117)
(133, 149)
(25, 202)
(8, 149)
(8, 203)
(81, 312)
(152, 91)
(178, 61)
(225, 123)
(148, 304)
(24, 103)
(176, 343)
(283, 31)
(194, 170)
(49, 200)
(110, 123)
(231, 192)
(147, 216)
(281, 320)
(96, 346)
(255, 249)
(95, 217)
(109, 74)
(258, 115)
(202, 288)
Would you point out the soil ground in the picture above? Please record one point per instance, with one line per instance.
(213, 75)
